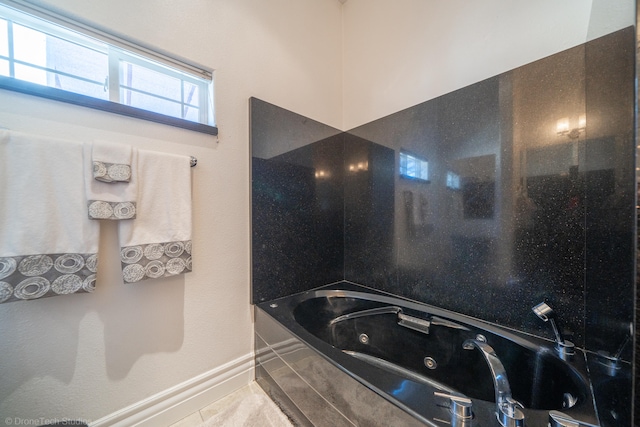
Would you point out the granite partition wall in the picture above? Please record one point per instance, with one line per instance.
(368, 211)
(297, 202)
(610, 158)
(316, 193)
(529, 196)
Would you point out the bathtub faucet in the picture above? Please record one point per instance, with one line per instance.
(507, 411)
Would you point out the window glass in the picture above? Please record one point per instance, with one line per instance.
(30, 74)
(146, 80)
(29, 46)
(4, 67)
(70, 58)
(151, 103)
(58, 63)
(191, 94)
(191, 113)
(75, 85)
(4, 38)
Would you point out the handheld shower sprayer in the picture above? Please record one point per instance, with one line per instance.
(612, 363)
(546, 313)
(564, 347)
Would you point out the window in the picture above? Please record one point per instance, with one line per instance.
(34, 51)
(453, 181)
(413, 167)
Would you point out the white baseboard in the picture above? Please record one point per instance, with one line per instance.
(175, 403)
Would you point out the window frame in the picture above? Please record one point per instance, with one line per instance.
(142, 57)
(117, 55)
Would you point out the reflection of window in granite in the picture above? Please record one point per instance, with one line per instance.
(478, 199)
(413, 167)
(453, 181)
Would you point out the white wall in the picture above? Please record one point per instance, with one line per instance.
(86, 356)
(400, 53)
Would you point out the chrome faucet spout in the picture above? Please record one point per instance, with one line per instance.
(500, 381)
(507, 410)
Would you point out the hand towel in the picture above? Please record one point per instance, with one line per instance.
(114, 200)
(48, 245)
(158, 242)
(111, 161)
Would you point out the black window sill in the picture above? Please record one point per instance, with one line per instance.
(29, 88)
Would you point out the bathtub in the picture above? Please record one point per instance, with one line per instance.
(349, 355)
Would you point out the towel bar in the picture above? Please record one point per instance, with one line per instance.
(193, 160)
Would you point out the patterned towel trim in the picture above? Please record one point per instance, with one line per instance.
(111, 172)
(99, 209)
(155, 260)
(38, 276)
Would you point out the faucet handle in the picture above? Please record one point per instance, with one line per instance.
(459, 404)
(512, 406)
(559, 419)
(508, 413)
(514, 403)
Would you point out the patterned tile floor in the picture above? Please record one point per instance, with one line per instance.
(248, 407)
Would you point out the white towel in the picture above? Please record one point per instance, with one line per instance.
(111, 161)
(114, 200)
(158, 242)
(48, 245)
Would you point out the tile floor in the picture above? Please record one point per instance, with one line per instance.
(248, 407)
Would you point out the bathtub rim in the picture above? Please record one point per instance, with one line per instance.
(283, 313)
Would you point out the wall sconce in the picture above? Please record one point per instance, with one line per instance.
(563, 127)
(322, 174)
(359, 167)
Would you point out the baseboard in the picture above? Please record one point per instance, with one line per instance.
(175, 403)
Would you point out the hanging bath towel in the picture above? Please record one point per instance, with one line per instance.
(115, 200)
(158, 242)
(48, 245)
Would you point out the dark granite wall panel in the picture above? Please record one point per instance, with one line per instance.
(297, 203)
(536, 212)
(611, 190)
(610, 204)
(636, 341)
(530, 197)
(369, 219)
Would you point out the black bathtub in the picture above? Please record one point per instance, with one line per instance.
(345, 354)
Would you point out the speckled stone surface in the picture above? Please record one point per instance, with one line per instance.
(297, 203)
(530, 197)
